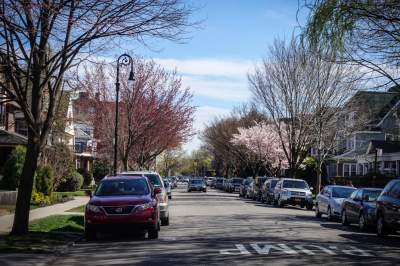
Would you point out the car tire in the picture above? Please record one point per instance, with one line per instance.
(165, 221)
(362, 223)
(280, 203)
(329, 214)
(90, 233)
(318, 214)
(345, 222)
(169, 197)
(381, 228)
(153, 233)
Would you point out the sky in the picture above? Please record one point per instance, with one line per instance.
(233, 36)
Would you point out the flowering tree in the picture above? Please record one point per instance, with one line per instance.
(263, 141)
(155, 113)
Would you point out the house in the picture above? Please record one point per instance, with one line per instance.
(370, 134)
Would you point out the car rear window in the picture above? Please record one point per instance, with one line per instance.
(122, 187)
(196, 181)
(154, 179)
(342, 192)
(294, 184)
(371, 195)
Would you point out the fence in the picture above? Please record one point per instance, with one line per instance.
(8, 197)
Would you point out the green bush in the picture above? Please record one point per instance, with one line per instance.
(87, 177)
(44, 180)
(100, 170)
(38, 198)
(72, 182)
(12, 169)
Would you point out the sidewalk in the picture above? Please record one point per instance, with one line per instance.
(6, 221)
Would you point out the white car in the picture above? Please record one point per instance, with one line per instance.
(329, 201)
(293, 192)
(157, 181)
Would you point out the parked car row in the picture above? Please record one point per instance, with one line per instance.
(134, 200)
(367, 207)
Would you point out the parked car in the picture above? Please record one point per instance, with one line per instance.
(360, 207)
(226, 184)
(267, 191)
(123, 201)
(388, 209)
(197, 185)
(244, 186)
(156, 181)
(293, 192)
(251, 190)
(235, 184)
(167, 186)
(210, 180)
(258, 183)
(219, 183)
(329, 201)
(173, 180)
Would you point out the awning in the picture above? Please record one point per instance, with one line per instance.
(8, 138)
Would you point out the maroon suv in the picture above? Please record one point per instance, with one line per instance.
(127, 202)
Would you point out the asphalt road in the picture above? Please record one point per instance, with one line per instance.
(217, 228)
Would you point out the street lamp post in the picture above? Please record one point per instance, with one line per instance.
(123, 60)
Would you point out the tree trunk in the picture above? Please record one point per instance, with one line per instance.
(319, 181)
(21, 217)
(125, 163)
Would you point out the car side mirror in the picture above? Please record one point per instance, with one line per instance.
(157, 190)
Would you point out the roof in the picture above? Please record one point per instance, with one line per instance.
(376, 103)
(384, 145)
(123, 177)
(138, 173)
(11, 138)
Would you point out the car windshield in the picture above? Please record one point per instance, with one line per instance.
(371, 195)
(273, 183)
(154, 179)
(294, 184)
(122, 187)
(196, 181)
(342, 192)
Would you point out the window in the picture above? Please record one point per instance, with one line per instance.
(354, 194)
(2, 114)
(346, 169)
(353, 169)
(395, 190)
(21, 127)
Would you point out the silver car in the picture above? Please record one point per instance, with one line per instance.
(157, 181)
(329, 201)
(293, 192)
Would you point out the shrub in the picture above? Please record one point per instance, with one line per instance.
(100, 170)
(12, 169)
(44, 180)
(72, 182)
(40, 199)
(87, 177)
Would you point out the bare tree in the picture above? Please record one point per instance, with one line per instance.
(41, 40)
(365, 33)
(301, 93)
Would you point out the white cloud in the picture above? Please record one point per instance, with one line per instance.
(209, 66)
(203, 116)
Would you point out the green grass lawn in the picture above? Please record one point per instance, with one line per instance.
(45, 235)
(58, 223)
(78, 193)
(77, 209)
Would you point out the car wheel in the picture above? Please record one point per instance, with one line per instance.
(381, 229)
(344, 218)
(362, 222)
(153, 233)
(90, 233)
(330, 216)
(280, 203)
(169, 197)
(165, 221)
(318, 214)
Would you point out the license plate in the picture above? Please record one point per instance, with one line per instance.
(297, 200)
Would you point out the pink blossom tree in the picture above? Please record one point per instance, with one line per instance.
(263, 142)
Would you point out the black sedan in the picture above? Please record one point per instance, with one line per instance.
(360, 207)
(388, 209)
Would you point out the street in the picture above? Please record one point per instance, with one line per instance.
(216, 228)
